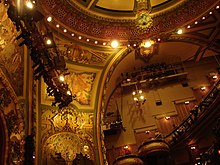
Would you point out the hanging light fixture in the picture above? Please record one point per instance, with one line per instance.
(138, 96)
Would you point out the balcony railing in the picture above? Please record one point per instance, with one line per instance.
(197, 113)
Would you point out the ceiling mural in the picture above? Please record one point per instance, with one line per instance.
(81, 84)
(67, 132)
(76, 53)
(11, 55)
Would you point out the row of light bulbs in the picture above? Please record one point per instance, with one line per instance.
(30, 5)
(115, 43)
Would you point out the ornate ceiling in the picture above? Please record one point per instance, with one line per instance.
(88, 26)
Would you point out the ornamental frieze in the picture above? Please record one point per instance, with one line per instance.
(107, 28)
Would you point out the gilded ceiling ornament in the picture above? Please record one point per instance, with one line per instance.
(144, 20)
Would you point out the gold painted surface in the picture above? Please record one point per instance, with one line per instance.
(11, 55)
(66, 132)
(79, 54)
(81, 85)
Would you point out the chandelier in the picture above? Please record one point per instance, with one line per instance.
(138, 96)
(143, 20)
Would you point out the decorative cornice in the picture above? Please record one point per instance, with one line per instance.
(124, 29)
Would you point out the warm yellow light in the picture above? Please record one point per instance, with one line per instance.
(61, 78)
(96, 42)
(126, 147)
(114, 44)
(142, 97)
(193, 148)
(72, 34)
(147, 132)
(186, 102)
(180, 31)
(167, 118)
(203, 88)
(57, 25)
(49, 42)
(188, 26)
(68, 92)
(104, 43)
(140, 91)
(86, 148)
(147, 44)
(87, 40)
(134, 93)
(64, 30)
(29, 5)
(49, 19)
(135, 99)
(215, 77)
(80, 37)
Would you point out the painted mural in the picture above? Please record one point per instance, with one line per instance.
(78, 54)
(81, 84)
(66, 133)
(12, 116)
(11, 55)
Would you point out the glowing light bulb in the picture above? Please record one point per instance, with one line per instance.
(29, 5)
(62, 78)
(180, 31)
(114, 44)
(68, 92)
(134, 93)
(49, 19)
(147, 44)
(49, 42)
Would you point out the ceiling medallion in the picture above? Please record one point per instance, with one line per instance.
(143, 20)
